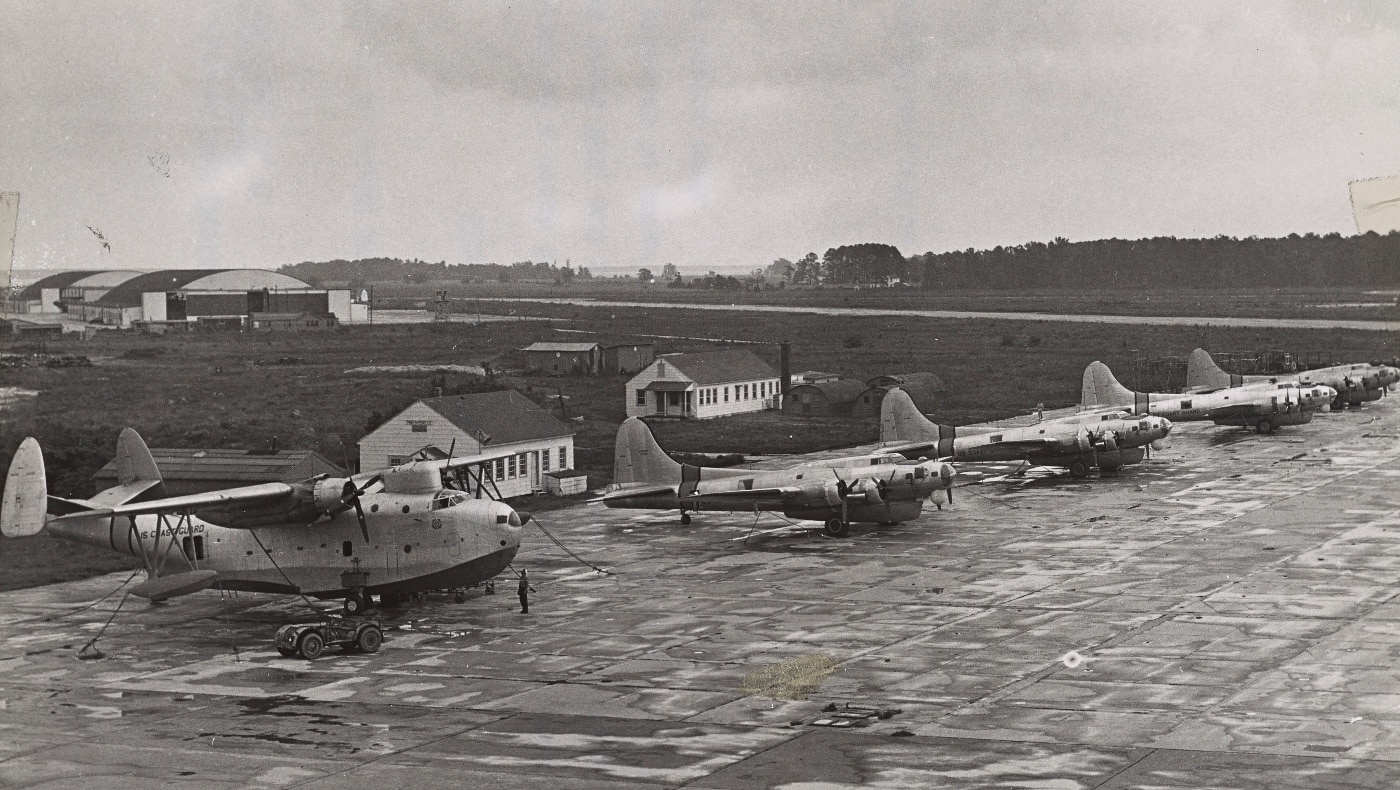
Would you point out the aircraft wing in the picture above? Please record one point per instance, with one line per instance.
(629, 493)
(1232, 412)
(737, 498)
(263, 493)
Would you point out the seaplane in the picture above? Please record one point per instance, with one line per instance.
(391, 532)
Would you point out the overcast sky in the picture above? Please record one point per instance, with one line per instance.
(706, 134)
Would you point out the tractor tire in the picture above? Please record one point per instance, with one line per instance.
(369, 639)
(311, 646)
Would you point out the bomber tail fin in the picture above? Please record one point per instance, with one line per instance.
(1202, 372)
(901, 420)
(24, 506)
(1099, 388)
(137, 473)
(638, 458)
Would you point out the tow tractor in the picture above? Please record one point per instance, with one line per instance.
(310, 640)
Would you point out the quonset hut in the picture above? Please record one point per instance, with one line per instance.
(920, 386)
(834, 398)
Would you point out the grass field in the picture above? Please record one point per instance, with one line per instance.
(246, 390)
(1350, 303)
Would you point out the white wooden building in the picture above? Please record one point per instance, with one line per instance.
(703, 385)
(483, 422)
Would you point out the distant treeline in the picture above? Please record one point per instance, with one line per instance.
(368, 270)
(1165, 262)
(1309, 260)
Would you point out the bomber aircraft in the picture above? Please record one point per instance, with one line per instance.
(390, 533)
(868, 489)
(1263, 407)
(1078, 443)
(1355, 383)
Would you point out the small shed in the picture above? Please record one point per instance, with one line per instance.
(565, 359)
(197, 471)
(921, 387)
(566, 482)
(833, 398)
(627, 357)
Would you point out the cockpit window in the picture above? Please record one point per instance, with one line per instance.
(447, 498)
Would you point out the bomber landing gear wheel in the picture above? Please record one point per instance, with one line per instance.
(369, 639)
(836, 528)
(311, 646)
(1079, 469)
(355, 603)
(1264, 426)
(685, 519)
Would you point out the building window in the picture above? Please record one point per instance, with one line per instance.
(563, 458)
(510, 466)
(395, 460)
(544, 461)
(418, 426)
(726, 394)
(500, 469)
(641, 397)
(523, 464)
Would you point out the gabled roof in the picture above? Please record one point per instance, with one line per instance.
(720, 367)
(256, 466)
(566, 347)
(506, 416)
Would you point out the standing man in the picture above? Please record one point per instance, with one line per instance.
(524, 592)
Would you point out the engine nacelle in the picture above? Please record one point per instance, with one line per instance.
(1081, 443)
(332, 495)
(824, 494)
(868, 490)
(1108, 441)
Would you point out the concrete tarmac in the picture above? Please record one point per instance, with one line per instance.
(1224, 615)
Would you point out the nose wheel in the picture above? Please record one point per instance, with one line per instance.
(685, 519)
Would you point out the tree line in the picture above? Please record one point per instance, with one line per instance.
(368, 270)
(1308, 260)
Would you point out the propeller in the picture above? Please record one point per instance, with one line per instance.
(352, 498)
(945, 473)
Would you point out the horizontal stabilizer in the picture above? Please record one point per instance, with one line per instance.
(175, 585)
(24, 504)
